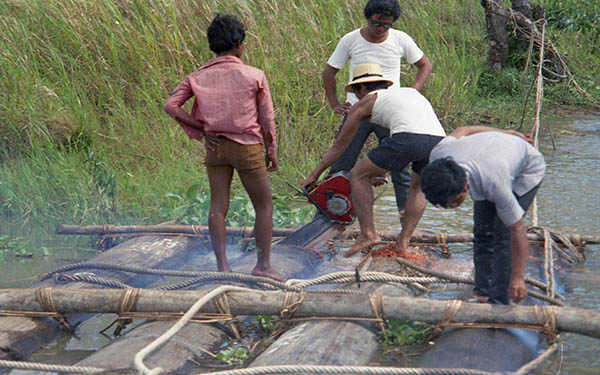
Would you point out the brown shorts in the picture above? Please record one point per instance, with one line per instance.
(248, 160)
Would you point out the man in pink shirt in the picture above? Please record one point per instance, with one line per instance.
(233, 110)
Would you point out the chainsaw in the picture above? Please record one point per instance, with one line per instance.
(332, 198)
(334, 206)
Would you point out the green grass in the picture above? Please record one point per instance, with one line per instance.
(85, 140)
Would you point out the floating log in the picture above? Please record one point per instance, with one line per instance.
(197, 339)
(330, 342)
(20, 336)
(248, 232)
(568, 319)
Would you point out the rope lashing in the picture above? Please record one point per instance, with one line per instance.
(222, 303)
(546, 317)
(467, 280)
(450, 311)
(442, 242)
(44, 298)
(376, 301)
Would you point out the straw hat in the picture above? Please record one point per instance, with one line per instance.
(364, 73)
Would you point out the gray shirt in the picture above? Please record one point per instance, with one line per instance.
(498, 166)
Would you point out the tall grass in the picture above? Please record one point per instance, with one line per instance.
(89, 77)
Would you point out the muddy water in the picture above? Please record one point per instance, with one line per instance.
(568, 201)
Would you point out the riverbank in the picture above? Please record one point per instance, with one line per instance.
(85, 140)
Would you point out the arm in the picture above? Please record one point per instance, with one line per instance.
(266, 119)
(357, 113)
(517, 291)
(415, 206)
(424, 66)
(177, 99)
(329, 83)
(470, 130)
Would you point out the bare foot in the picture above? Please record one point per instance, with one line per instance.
(224, 268)
(361, 244)
(268, 272)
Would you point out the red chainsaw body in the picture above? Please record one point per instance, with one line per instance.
(333, 197)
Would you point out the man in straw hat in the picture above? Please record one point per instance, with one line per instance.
(376, 42)
(414, 130)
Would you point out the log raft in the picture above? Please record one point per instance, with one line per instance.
(21, 336)
(248, 232)
(568, 319)
(196, 340)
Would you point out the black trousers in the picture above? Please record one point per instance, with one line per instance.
(400, 179)
(491, 249)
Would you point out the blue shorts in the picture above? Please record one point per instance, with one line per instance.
(396, 152)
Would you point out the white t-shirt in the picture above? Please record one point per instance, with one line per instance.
(387, 54)
(498, 166)
(405, 110)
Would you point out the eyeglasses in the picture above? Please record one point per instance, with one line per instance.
(379, 24)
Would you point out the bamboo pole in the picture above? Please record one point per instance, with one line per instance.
(567, 319)
(201, 230)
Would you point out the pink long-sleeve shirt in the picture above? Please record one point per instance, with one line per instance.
(231, 99)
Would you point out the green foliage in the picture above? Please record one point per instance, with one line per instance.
(573, 15)
(18, 246)
(193, 207)
(233, 356)
(267, 322)
(404, 333)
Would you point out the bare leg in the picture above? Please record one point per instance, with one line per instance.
(220, 182)
(415, 206)
(259, 190)
(362, 197)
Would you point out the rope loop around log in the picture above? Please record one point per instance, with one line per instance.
(377, 306)
(222, 303)
(44, 298)
(442, 242)
(452, 308)
(546, 317)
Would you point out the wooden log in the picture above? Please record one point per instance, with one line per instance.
(173, 229)
(22, 336)
(568, 319)
(248, 232)
(177, 356)
(330, 342)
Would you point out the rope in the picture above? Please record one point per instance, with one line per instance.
(377, 305)
(222, 303)
(452, 308)
(362, 370)
(528, 367)
(546, 317)
(44, 298)
(49, 368)
(138, 359)
(548, 265)
(468, 280)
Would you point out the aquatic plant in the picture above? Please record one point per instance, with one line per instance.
(233, 356)
(399, 332)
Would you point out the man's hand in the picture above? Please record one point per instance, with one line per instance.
(309, 182)
(517, 291)
(342, 109)
(272, 162)
(212, 141)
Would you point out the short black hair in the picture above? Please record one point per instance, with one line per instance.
(441, 180)
(224, 32)
(372, 86)
(389, 8)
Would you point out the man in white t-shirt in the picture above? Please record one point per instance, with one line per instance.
(376, 43)
(502, 172)
(413, 130)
